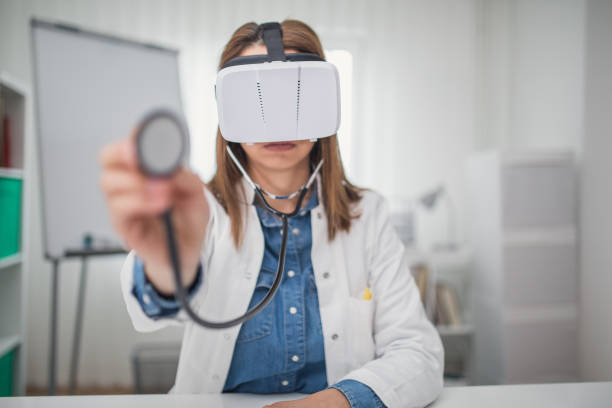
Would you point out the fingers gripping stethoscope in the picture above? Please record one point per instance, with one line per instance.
(162, 146)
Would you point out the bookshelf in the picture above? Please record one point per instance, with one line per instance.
(525, 279)
(452, 269)
(13, 259)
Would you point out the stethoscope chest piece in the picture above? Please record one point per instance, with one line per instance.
(162, 143)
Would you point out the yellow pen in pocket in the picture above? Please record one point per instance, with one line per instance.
(367, 295)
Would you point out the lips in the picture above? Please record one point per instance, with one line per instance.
(279, 146)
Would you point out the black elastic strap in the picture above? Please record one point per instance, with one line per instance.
(272, 35)
(258, 59)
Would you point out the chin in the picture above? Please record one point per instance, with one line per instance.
(280, 155)
(280, 163)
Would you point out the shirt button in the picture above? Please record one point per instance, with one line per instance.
(296, 231)
(334, 336)
(325, 275)
(146, 299)
(285, 383)
(295, 359)
(319, 215)
(291, 274)
(292, 310)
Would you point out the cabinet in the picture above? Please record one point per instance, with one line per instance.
(13, 288)
(523, 226)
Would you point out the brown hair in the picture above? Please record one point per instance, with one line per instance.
(338, 193)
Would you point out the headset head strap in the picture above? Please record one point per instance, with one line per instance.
(272, 35)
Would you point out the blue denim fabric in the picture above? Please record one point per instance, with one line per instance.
(154, 304)
(277, 350)
(280, 349)
(358, 394)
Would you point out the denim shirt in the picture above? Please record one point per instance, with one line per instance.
(281, 349)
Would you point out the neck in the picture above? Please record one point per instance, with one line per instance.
(281, 182)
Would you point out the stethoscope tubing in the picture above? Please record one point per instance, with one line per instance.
(181, 292)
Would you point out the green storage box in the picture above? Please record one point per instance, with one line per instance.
(10, 216)
(6, 374)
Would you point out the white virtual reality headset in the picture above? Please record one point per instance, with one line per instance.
(277, 97)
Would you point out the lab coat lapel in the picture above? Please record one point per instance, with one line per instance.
(240, 265)
(330, 276)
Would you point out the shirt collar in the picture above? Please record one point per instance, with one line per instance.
(270, 220)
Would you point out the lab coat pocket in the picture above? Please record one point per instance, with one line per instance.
(260, 325)
(361, 330)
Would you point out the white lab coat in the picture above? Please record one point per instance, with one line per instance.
(387, 342)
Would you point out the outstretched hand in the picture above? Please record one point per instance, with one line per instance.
(328, 398)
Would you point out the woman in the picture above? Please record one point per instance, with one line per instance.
(346, 326)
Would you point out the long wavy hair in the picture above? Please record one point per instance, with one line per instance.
(338, 193)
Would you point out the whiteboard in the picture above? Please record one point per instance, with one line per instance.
(91, 89)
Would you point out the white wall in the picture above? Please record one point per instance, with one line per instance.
(596, 302)
(532, 71)
(533, 98)
(414, 122)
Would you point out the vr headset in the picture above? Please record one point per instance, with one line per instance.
(277, 97)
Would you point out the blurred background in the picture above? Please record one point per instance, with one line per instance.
(485, 124)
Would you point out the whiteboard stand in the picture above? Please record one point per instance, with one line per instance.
(84, 254)
(53, 328)
(78, 325)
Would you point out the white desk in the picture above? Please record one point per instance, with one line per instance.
(148, 401)
(588, 395)
(579, 395)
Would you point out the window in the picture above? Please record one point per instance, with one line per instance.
(343, 60)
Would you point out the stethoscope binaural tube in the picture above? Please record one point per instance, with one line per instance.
(181, 292)
(152, 147)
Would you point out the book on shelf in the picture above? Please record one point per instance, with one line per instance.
(5, 149)
(5, 135)
(420, 272)
(1, 129)
(448, 310)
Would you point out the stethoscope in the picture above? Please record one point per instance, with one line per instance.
(162, 146)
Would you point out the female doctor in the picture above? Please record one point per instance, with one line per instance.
(346, 326)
